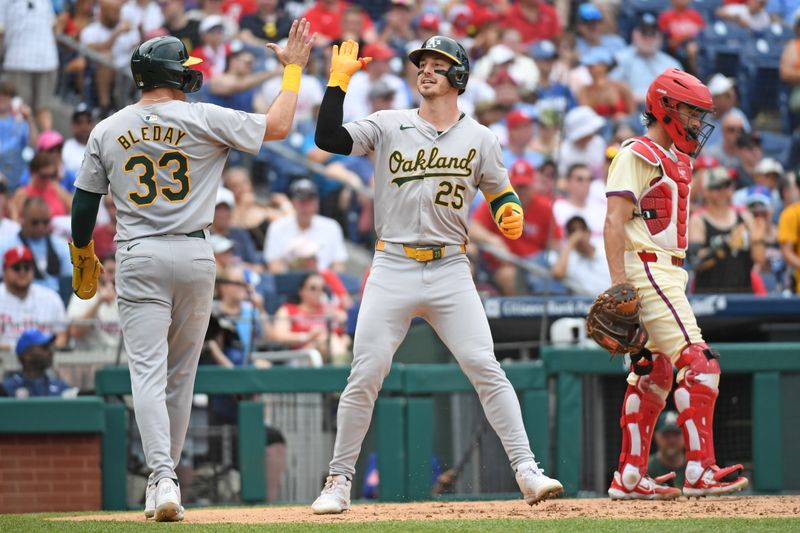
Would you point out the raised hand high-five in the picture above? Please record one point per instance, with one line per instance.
(344, 63)
(298, 45)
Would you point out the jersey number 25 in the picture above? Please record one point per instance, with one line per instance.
(176, 192)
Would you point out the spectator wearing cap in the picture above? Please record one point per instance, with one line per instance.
(35, 353)
(681, 26)
(30, 54)
(590, 36)
(214, 8)
(670, 454)
(580, 265)
(790, 69)
(427, 25)
(215, 48)
(751, 14)
(725, 152)
(611, 99)
(723, 94)
(639, 64)
(396, 28)
(52, 143)
(520, 129)
(269, 24)
(179, 25)
(758, 202)
(244, 248)
(550, 94)
(577, 201)
(356, 105)
(114, 38)
(24, 304)
(506, 89)
(238, 86)
(748, 154)
(325, 17)
(50, 252)
(16, 131)
(768, 175)
(540, 230)
(44, 184)
(534, 19)
(583, 143)
(84, 119)
(724, 244)
(789, 240)
(700, 167)
(306, 222)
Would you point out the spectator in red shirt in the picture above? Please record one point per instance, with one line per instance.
(534, 19)
(325, 17)
(539, 225)
(681, 25)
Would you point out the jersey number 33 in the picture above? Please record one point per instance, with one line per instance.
(177, 169)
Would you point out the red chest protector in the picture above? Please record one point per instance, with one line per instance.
(664, 204)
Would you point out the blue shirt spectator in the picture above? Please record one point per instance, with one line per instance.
(35, 352)
(14, 137)
(590, 32)
(785, 9)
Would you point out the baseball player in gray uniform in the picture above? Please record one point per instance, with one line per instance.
(429, 163)
(162, 160)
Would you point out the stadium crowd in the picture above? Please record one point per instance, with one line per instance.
(562, 85)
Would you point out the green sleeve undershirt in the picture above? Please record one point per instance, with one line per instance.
(500, 201)
(84, 215)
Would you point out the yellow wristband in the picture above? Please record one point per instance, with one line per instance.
(291, 78)
(339, 79)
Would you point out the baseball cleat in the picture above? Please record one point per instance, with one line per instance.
(647, 489)
(711, 483)
(534, 485)
(334, 498)
(168, 501)
(150, 501)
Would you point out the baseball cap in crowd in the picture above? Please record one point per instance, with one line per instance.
(705, 161)
(543, 50)
(380, 89)
(522, 173)
(668, 422)
(500, 54)
(502, 76)
(597, 56)
(589, 12)
(720, 84)
(429, 21)
(225, 196)
(758, 194)
(582, 121)
(49, 139)
(17, 254)
(717, 177)
(750, 139)
(769, 166)
(212, 22)
(220, 244)
(648, 24)
(378, 52)
(303, 188)
(518, 118)
(33, 337)
(84, 109)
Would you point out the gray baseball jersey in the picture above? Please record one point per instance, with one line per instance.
(425, 181)
(164, 163)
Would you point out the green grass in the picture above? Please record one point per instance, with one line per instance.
(39, 522)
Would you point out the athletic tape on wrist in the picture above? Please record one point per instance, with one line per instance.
(291, 78)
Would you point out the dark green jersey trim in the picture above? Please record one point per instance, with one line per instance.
(84, 215)
(503, 199)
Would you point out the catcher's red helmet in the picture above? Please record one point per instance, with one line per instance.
(675, 87)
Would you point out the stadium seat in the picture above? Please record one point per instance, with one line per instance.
(758, 77)
(707, 8)
(720, 46)
(632, 10)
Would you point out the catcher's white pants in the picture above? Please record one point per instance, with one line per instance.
(443, 293)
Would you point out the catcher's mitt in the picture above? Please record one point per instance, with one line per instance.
(613, 320)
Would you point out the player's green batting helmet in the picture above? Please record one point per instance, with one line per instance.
(458, 73)
(165, 62)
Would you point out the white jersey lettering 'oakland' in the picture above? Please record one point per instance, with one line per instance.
(164, 163)
(425, 181)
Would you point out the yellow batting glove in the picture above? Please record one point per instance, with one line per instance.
(510, 221)
(86, 269)
(344, 63)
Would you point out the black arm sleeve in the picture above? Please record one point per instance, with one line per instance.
(331, 136)
(84, 215)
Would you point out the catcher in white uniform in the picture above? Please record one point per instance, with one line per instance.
(429, 163)
(646, 239)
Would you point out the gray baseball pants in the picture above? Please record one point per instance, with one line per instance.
(165, 286)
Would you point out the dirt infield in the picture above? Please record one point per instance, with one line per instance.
(723, 507)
